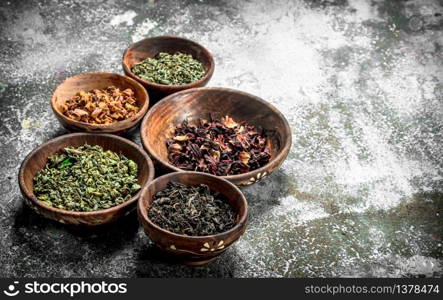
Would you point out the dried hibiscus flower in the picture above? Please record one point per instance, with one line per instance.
(101, 106)
(218, 147)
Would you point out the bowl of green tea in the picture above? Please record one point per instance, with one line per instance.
(85, 179)
(166, 64)
(192, 216)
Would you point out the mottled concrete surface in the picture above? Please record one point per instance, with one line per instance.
(360, 83)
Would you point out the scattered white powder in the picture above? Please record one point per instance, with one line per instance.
(363, 11)
(127, 17)
(308, 63)
(358, 103)
(396, 266)
(142, 31)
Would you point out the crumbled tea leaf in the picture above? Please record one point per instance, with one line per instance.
(220, 148)
(66, 163)
(191, 210)
(164, 68)
(101, 106)
(86, 178)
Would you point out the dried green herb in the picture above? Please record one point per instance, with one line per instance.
(86, 178)
(164, 68)
(191, 210)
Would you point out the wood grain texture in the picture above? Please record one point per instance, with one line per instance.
(98, 80)
(159, 124)
(37, 159)
(193, 250)
(151, 46)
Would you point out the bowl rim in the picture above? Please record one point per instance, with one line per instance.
(207, 76)
(125, 124)
(238, 225)
(274, 159)
(30, 194)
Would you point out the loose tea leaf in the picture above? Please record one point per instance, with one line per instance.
(101, 106)
(191, 210)
(86, 178)
(164, 68)
(220, 148)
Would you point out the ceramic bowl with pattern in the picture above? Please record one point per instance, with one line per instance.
(193, 250)
(161, 120)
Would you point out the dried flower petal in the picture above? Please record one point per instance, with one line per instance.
(229, 122)
(80, 112)
(244, 157)
(181, 138)
(215, 154)
(101, 106)
(220, 148)
(175, 147)
(96, 112)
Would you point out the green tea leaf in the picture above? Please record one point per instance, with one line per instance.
(66, 163)
(167, 69)
(86, 178)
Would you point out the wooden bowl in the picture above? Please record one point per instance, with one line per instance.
(98, 80)
(193, 250)
(151, 46)
(159, 123)
(37, 159)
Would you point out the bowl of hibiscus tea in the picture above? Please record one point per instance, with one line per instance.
(192, 216)
(168, 64)
(218, 131)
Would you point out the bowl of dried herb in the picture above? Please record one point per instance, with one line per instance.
(192, 216)
(223, 132)
(85, 179)
(168, 64)
(100, 102)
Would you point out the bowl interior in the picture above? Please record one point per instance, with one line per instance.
(205, 103)
(152, 46)
(90, 81)
(38, 159)
(234, 197)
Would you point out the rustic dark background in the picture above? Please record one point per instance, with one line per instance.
(360, 82)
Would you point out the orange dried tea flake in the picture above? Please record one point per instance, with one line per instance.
(101, 106)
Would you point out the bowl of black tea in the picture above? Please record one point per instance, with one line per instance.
(192, 215)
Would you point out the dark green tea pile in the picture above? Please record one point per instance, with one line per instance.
(164, 68)
(86, 178)
(191, 210)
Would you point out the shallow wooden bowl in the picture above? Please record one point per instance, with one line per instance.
(159, 123)
(193, 250)
(151, 46)
(36, 160)
(98, 80)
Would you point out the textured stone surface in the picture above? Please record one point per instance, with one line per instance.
(359, 81)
